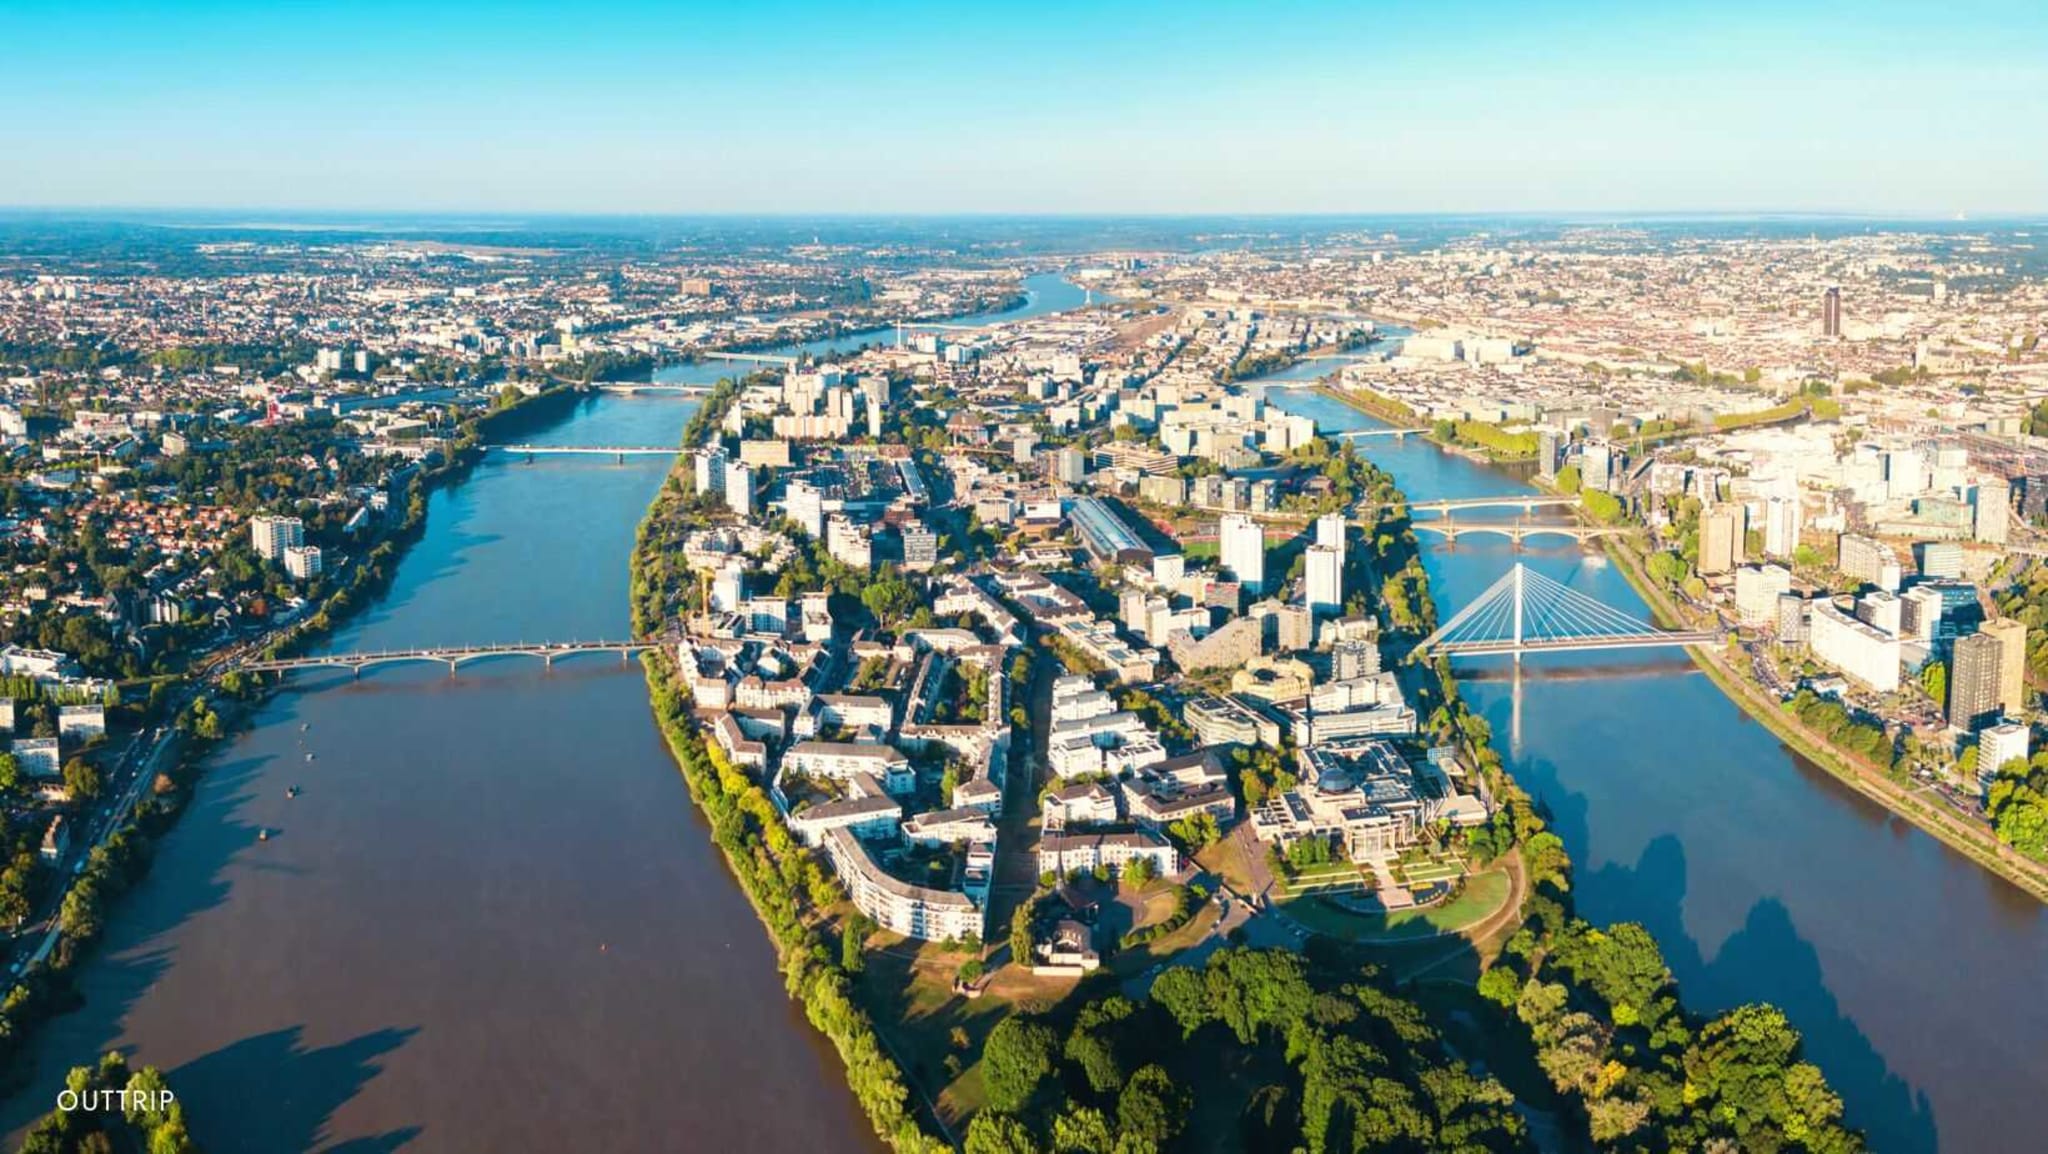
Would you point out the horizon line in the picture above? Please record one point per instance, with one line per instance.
(1915, 215)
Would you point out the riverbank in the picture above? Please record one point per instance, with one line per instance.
(1565, 994)
(791, 894)
(1975, 842)
(200, 722)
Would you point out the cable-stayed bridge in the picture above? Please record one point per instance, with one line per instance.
(1527, 612)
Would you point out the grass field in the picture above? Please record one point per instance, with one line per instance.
(1484, 895)
(1426, 872)
(917, 1010)
(1334, 877)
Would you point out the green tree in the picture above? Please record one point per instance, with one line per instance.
(1667, 568)
(1934, 681)
(1141, 871)
(852, 941)
(81, 779)
(1602, 507)
(1152, 1108)
(992, 1133)
(1082, 1130)
(1016, 1058)
(1093, 1043)
(1185, 996)
(1568, 479)
(1500, 985)
(1021, 939)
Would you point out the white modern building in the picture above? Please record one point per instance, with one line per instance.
(303, 562)
(1859, 650)
(1325, 577)
(270, 536)
(1330, 531)
(1781, 526)
(896, 905)
(1756, 592)
(1243, 550)
(2005, 742)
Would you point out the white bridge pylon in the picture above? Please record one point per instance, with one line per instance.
(1526, 612)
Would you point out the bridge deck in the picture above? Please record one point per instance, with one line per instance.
(1618, 641)
(450, 656)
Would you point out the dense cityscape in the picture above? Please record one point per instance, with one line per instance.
(1309, 578)
(1055, 641)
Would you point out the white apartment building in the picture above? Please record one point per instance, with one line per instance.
(1330, 532)
(739, 488)
(1782, 523)
(1756, 592)
(896, 905)
(303, 562)
(708, 470)
(2005, 742)
(270, 536)
(1243, 549)
(844, 759)
(1868, 654)
(1325, 578)
(1063, 853)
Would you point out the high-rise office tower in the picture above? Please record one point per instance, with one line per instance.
(270, 535)
(1325, 579)
(1781, 526)
(1330, 531)
(2012, 662)
(1596, 465)
(1973, 682)
(1831, 312)
(1243, 547)
(1721, 529)
(1993, 513)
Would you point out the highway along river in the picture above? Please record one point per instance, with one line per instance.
(1912, 973)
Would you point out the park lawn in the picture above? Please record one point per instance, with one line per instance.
(1484, 895)
(1424, 873)
(1224, 859)
(1333, 876)
(1135, 959)
(916, 1010)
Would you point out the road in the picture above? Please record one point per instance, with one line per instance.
(125, 785)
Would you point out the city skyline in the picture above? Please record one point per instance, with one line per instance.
(802, 108)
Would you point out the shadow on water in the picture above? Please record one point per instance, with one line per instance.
(133, 955)
(1769, 954)
(302, 1089)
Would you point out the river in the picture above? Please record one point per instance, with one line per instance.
(492, 919)
(1910, 971)
(1044, 293)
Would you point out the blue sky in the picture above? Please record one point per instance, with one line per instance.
(1189, 107)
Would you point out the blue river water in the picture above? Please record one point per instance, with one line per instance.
(1045, 293)
(491, 919)
(1910, 971)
